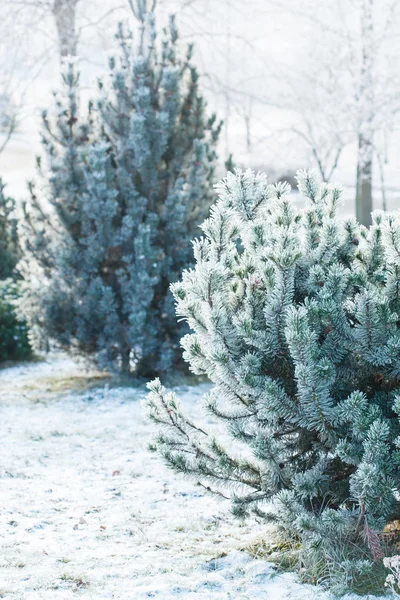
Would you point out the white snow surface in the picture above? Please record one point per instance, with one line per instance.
(87, 511)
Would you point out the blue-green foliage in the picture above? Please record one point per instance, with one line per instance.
(296, 320)
(126, 186)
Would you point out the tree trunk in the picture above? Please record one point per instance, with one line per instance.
(366, 109)
(125, 362)
(247, 123)
(364, 181)
(64, 12)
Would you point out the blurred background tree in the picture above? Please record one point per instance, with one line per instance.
(121, 192)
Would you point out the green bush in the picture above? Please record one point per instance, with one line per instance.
(8, 234)
(14, 342)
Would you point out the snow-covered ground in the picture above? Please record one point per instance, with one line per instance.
(87, 511)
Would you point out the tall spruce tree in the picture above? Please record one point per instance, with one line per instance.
(296, 320)
(126, 190)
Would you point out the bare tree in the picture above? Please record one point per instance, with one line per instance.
(35, 33)
(343, 91)
(367, 111)
(23, 62)
(64, 13)
(43, 17)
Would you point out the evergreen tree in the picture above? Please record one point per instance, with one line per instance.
(126, 189)
(296, 320)
(50, 227)
(8, 235)
(14, 342)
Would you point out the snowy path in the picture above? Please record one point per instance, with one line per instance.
(87, 511)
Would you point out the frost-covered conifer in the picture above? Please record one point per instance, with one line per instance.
(126, 193)
(14, 344)
(296, 320)
(50, 230)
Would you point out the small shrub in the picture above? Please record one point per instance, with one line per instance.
(296, 320)
(14, 342)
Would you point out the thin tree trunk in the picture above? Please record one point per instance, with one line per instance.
(125, 361)
(228, 80)
(64, 12)
(364, 180)
(382, 176)
(365, 137)
(247, 124)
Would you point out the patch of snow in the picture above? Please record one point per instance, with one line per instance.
(86, 509)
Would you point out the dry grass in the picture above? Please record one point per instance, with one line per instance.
(25, 383)
(283, 553)
(57, 385)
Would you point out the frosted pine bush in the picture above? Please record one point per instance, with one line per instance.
(122, 189)
(295, 318)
